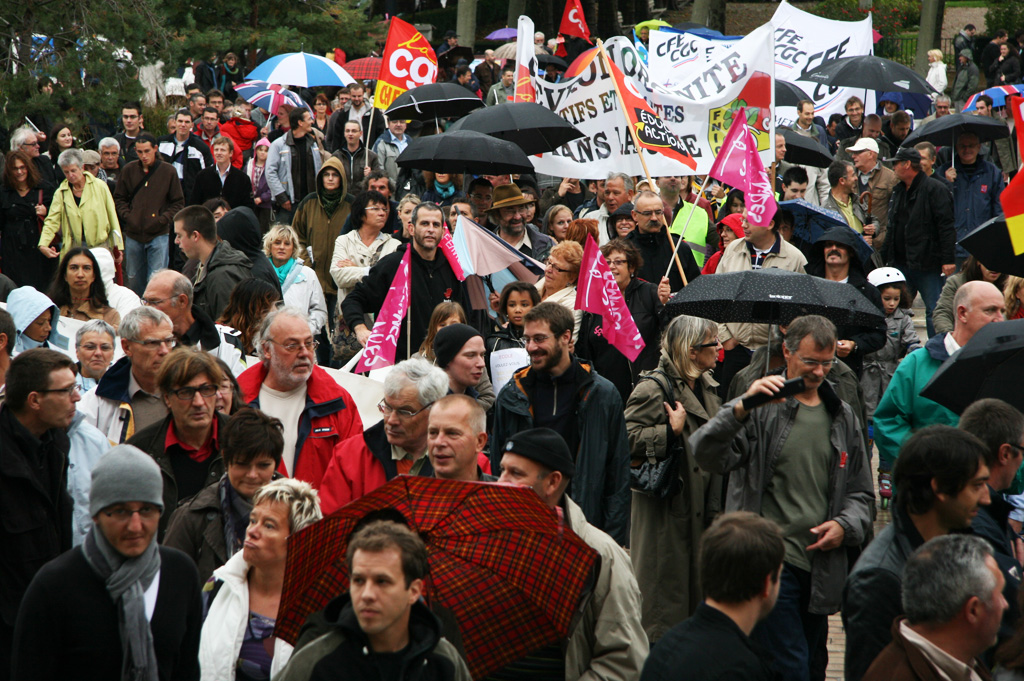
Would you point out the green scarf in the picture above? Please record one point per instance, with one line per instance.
(283, 270)
(330, 200)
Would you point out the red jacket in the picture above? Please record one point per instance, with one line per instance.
(244, 133)
(222, 131)
(363, 463)
(329, 417)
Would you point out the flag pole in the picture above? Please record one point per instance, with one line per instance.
(700, 192)
(373, 111)
(640, 153)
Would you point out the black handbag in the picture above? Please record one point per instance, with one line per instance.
(659, 477)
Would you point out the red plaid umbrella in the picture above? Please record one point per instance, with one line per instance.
(367, 68)
(500, 560)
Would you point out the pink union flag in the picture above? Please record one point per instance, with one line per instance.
(597, 292)
(448, 248)
(383, 341)
(739, 165)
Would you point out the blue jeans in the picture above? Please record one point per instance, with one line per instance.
(141, 260)
(791, 633)
(929, 285)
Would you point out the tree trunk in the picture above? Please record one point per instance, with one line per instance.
(865, 5)
(608, 19)
(515, 8)
(930, 34)
(711, 13)
(589, 13)
(466, 22)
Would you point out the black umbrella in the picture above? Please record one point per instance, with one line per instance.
(546, 60)
(991, 364)
(806, 151)
(990, 244)
(772, 296)
(787, 94)
(532, 127)
(464, 151)
(451, 58)
(433, 101)
(944, 131)
(871, 73)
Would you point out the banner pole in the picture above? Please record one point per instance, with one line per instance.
(700, 192)
(640, 153)
(366, 133)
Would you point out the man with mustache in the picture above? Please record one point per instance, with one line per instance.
(287, 384)
(563, 393)
(508, 212)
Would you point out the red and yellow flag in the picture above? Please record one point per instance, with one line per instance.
(1012, 197)
(409, 61)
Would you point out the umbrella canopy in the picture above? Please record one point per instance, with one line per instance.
(998, 95)
(450, 59)
(871, 73)
(500, 560)
(772, 296)
(267, 96)
(806, 151)
(787, 94)
(533, 128)
(367, 68)
(810, 222)
(546, 60)
(944, 131)
(991, 364)
(464, 151)
(652, 25)
(508, 51)
(433, 100)
(502, 34)
(990, 244)
(301, 70)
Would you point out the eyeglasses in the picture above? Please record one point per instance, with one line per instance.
(512, 210)
(539, 339)
(123, 514)
(155, 342)
(824, 364)
(70, 390)
(30, 144)
(648, 213)
(380, 209)
(618, 262)
(1016, 448)
(713, 344)
(151, 302)
(92, 347)
(188, 393)
(293, 347)
(403, 414)
(556, 268)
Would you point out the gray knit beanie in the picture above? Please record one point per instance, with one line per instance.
(125, 473)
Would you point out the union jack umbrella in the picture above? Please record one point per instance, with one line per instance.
(999, 93)
(268, 96)
(510, 572)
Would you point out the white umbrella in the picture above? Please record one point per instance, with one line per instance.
(301, 70)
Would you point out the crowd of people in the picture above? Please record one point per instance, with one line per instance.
(213, 271)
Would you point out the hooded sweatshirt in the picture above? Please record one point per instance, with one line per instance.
(317, 230)
(240, 228)
(25, 304)
(121, 298)
(733, 222)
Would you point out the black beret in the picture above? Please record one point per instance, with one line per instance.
(544, 446)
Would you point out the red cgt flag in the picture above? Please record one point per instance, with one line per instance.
(409, 61)
(573, 22)
(651, 131)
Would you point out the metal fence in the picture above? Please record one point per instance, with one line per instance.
(904, 49)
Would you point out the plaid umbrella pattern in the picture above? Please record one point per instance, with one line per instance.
(500, 560)
(367, 68)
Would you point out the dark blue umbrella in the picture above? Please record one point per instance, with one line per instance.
(810, 222)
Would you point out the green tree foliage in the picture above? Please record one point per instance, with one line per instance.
(87, 46)
(202, 28)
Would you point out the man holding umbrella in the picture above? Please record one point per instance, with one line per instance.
(923, 235)
(977, 185)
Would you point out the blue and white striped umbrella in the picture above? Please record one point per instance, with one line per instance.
(301, 70)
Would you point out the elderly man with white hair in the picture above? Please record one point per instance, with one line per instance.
(397, 445)
(30, 141)
(110, 155)
(289, 385)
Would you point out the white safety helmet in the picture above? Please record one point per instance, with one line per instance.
(885, 275)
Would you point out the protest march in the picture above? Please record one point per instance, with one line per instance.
(636, 357)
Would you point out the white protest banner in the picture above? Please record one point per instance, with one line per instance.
(506, 362)
(699, 110)
(803, 42)
(672, 55)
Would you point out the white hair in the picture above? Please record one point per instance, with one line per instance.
(108, 142)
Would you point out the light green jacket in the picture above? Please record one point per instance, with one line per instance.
(91, 222)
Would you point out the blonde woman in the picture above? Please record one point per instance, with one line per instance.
(937, 77)
(1013, 294)
(559, 282)
(299, 283)
(665, 532)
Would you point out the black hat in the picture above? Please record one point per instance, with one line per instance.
(450, 34)
(544, 446)
(450, 340)
(905, 154)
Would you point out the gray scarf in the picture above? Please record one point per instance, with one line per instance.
(126, 580)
